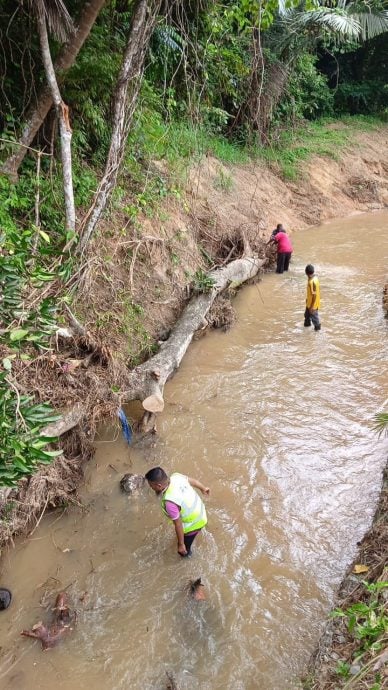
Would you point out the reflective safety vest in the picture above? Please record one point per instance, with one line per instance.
(192, 509)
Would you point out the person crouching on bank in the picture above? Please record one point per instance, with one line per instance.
(181, 504)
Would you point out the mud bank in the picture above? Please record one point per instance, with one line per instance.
(140, 274)
(342, 659)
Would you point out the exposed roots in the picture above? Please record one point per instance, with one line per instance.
(51, 487)
(221, 314)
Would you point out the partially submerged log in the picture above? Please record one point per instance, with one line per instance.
(50, 634)
(146, 382)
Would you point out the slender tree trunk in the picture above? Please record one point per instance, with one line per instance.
(257, 80)
(267, 85)
(65, 60)
(63, 116)
(127, 91)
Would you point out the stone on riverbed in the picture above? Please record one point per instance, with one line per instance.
(131, 483)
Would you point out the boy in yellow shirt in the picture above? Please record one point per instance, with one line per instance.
(312, 299)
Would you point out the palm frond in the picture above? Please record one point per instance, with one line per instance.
(380, 421)
(372, 23)
(58, 19)
(329, 18)
(170, 38)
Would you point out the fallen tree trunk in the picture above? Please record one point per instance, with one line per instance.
(146, 382)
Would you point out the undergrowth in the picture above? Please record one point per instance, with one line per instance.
(367, 624)
(33, 271)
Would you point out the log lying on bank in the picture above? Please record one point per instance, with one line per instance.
(146, 382)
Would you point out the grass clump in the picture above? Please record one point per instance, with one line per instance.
(326, 138)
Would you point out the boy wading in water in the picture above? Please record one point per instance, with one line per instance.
(181, 504)
(312, 299)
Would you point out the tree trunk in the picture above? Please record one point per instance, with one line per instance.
(129, 80)
(256, 80)
(38, 113)
(63, 117)
(267, 84)
(146, 382)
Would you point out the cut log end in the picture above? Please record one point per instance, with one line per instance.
(154, 403)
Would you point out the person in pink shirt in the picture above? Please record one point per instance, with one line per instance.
(284, 250)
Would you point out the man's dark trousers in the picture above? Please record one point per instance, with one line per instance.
(312, 317)
(283, 261)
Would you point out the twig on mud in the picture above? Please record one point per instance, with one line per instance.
(52, 525)
(55, 543)
(76, 325)
(225, 261)
(42, 584)
(41, 515)
(132, 266)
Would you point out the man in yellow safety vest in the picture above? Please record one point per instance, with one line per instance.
(181, 504)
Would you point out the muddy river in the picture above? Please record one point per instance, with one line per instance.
(275, 418)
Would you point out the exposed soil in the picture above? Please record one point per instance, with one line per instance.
(140, 274)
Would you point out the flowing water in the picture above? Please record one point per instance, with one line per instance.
(275, 418)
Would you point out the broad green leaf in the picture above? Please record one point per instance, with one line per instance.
(18, 334)
(45, 236)
(7, 364)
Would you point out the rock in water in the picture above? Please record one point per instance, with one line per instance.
(197, 590)
(5, 598)
(132, 482)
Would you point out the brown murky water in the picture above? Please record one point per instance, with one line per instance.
(276, 420)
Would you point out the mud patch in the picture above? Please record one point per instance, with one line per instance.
(364, 190)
